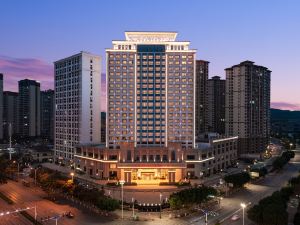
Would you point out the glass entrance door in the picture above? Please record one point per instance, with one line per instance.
(147, 176)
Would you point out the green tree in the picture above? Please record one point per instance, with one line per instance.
(3, 168)
(255, 214)
(175, 202)
(275, 215)
(238, 180)
(297, 219)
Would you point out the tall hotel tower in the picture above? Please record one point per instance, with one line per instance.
(247, 110)
(150, 91)
(77, 103)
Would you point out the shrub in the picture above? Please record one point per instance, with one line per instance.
(238, 180)
(195, 195)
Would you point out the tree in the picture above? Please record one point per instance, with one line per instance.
(255, 214)
(275, 215)
(297, 219)
(3, 168)
(238, 180)
(175, 202)
(272, 209)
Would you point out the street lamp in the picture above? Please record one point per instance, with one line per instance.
(160, 196)
(220, 199)
(14, 162)
(243, 205)
(291, 145)
(132, 207)
(72, 175)
(122, 182)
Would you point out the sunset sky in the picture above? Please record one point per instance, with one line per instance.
(34, 33)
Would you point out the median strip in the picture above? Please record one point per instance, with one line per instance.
(23, 213)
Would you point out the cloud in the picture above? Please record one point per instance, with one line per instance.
(285, 105)
(15, 69)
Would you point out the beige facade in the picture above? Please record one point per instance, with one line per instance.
(247, 110)
(154, 165)
(150, 91)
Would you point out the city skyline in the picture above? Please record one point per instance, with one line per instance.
(29, 34)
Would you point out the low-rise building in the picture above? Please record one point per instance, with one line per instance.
(39, 154)
(154, 165)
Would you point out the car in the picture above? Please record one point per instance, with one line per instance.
(70, 215)
(235, 217)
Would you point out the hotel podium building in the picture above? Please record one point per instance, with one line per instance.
(150, 123)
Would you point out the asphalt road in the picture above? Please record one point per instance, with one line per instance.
(254, 192)
(31, 196)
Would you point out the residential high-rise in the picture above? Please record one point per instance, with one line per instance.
(29, 108)
(201, 97)
(1, 106)
(77, 103)
(216, 105)
(150, 91)
(47, 114)
(248, 106)
(10, 112)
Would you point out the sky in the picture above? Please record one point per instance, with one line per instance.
(34, 34)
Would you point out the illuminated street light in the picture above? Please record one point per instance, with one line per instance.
(132, 208)
(160, 197)
(122, 182)
(72, 175)
(243, 205)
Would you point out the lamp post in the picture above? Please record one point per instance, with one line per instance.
(243, 205)
(291, 145)
(72, 175)
(122, 182)
(220, 199)
(160, 197)
(18, 165)
(132, 207)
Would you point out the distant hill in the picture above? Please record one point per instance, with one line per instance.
(278, 114)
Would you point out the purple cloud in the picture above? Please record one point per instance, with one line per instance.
(15, 69)
(285, 105)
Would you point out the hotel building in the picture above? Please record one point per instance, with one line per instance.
(150, 91)
(150, 129)
(247, 111)
(77, 103)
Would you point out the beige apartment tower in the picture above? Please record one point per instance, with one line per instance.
(247, 113)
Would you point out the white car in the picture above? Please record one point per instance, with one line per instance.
(235, 217)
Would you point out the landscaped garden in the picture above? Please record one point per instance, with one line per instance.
(53, 181)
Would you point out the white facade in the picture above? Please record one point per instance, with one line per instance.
(77, 103)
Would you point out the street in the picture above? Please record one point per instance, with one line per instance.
(34, 196)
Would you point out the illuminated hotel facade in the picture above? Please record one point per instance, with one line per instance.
(150, 123)
(150, 90)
